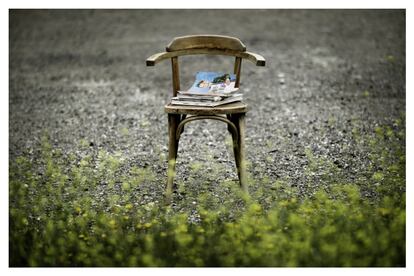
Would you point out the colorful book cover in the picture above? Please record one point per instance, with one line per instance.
(213, 82)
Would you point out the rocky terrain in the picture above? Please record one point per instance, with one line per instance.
(79, 77)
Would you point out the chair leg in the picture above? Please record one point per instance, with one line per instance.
(183, 118)
(173, 121)
(235, 141)
(241, 125)
(238, 148)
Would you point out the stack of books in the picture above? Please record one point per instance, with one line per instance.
(210, 89)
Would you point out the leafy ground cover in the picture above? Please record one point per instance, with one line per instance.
(56, 219)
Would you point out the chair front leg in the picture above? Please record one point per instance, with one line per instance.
(173, 121)
(241, 157)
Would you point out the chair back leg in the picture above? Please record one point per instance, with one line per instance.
(235, 139)
(238, 147)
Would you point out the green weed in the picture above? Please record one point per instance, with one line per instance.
(58, 217)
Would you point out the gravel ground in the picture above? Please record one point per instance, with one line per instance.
(81, 77)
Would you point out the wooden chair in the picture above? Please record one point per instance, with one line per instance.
(233, 114)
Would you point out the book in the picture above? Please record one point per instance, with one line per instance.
(212, 83)
(210, 89)
(200, 98)
(233, 98)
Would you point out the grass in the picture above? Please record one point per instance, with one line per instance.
(65, 212)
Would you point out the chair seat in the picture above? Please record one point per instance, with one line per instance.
(231, 108)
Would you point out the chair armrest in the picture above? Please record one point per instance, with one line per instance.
(255, 58)
(154, 59)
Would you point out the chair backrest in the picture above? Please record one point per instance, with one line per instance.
(205, 44)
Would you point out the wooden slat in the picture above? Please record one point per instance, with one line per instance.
(258, 60)
(155, 58)
(173, 121)
(241, 152)
(237, 69)
(175, 75)
(230, 108)
(205, 42)
(255, 58)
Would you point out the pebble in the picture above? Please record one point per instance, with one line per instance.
(94, 117)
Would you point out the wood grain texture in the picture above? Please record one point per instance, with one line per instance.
(173, 121)
(230, 108)
(175, 75)
(237, 69)
(235, 138)
(241, 154)
(239, 120)
(205, 42)
(230, 125)
(257, 59)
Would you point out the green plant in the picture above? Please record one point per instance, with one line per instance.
(59, 217)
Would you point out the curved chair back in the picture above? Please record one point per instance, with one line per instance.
(205, 44)
(221, 42)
